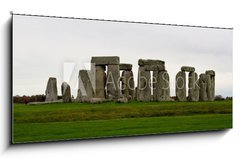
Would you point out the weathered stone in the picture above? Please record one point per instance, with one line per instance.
(126, 67)
(51, 90)
(210, 85)
(210, 72)
(163, 89)
(193, 88)
(100, 82)
(203, 87)
(154, 67)
(187, 69)
(143, 62)
(131, 86)
(155, 84)
(127, 84)
(105, 60)
(122, 100)
(144, 85)
(84, 84)
(85, 99)
(66, 92)
(181, 86)
(113, 82)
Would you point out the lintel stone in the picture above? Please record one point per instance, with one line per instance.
(105, 60)
(142, 62)
(154, 68)
(126, 67)
(187, 69)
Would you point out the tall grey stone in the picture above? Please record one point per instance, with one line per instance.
(144, 85)
(127, 84)
(155, 85)
(210, 84)
(163, 89)
(203, 87)
(66, 92)
(51, 90)
(113, 82)
(131, 85)
(85, 84)
(181, 86)
(193, 88)
(100, 81)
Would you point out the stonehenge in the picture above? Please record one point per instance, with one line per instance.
(159, 82)
(66, 92)
(202, 89)
(51, 90)
(127, 81)
(110, 80)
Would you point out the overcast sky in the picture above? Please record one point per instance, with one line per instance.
(56, 47)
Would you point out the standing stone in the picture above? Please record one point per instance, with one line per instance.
(155, 84)
(193, 88)
(113, 82)
(66, 92)
(127, 84)
(210, 85)
(163, 88)
(85, 84)
(181, 86)
(51, 90)
(144, 85)
(100, 81)
(203, 87)
(131, 86)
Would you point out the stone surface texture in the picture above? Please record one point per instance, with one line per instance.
(193, 88)
(66, 92)
(181, 86)
(113, 82)
(51, 90)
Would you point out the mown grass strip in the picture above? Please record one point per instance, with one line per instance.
(67, 112)
(39, 132)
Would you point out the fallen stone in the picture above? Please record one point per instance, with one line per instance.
(42, 103)
(122, 100)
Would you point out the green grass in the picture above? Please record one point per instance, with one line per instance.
(62, 112)
(35, 132)
(33, 123)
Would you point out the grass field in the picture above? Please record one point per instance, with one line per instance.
(61, 121)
